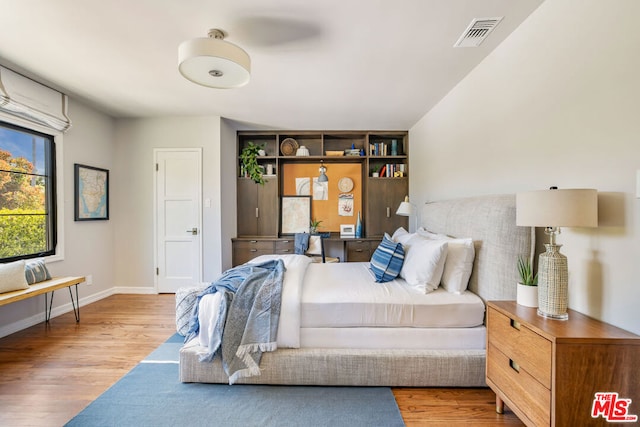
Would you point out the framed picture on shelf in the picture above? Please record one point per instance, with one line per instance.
(91, 193)
(295, 214)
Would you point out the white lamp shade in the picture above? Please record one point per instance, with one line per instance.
(405, 208)
(199, 58)
(557, 208)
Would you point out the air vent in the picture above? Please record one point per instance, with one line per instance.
(477, 31)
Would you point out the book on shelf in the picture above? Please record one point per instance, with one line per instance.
(378, 149)
(384, 149)
(392, 170)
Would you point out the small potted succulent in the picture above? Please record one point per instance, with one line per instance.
(313, 227)
(527, 291)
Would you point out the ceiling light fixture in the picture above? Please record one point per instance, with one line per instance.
(213, 62)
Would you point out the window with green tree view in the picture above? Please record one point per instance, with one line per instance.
(27, 193)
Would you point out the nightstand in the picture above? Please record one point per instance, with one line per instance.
(548, 371)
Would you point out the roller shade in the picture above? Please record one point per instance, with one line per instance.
(30, 100)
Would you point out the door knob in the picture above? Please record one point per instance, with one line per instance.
(193, 231)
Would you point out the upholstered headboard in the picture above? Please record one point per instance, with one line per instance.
(491, 222)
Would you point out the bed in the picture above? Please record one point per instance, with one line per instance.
(395, 336)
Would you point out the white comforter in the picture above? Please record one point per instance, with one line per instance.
(343, 300)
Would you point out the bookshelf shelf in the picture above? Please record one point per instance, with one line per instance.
(385, 151)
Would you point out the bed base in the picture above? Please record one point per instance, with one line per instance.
(347, 367)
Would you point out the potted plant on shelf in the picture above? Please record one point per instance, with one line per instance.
(249, 158)
(527, 291)
(315, 224)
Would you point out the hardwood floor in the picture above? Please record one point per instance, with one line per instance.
(50, 373)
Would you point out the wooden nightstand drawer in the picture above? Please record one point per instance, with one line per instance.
(285, 246)
(529, 350)
(524, 391)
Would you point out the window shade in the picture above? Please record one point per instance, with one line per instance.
(25, 98)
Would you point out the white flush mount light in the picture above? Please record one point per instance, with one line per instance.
(213, 62)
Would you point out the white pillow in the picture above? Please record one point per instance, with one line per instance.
(401, 236)
(12, 277)
(425, 233)
(424, 262)
(459, 263)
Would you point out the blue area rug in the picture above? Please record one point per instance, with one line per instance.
(151, 395)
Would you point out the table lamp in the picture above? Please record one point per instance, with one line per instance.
(406, 208)
(553, 209)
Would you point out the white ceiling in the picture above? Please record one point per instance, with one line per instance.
(329, 64)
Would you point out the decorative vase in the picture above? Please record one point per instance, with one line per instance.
(527, 295)
(302, 151)
(358, 226)
(553, 283)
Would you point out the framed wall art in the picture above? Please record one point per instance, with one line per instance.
(295, 214)
(91, 193)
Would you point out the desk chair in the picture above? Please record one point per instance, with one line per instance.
(316, 250)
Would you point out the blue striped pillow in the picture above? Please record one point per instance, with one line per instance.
(387, 260)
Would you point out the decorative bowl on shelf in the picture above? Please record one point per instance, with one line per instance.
(334, 153)
(288, 147)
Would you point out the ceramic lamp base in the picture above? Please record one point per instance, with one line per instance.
(553, 283)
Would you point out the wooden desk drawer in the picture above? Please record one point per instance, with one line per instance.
(285, 246)
(532, 399)
(358, 250)
(266, 245)
(529, 350)
(358, 244)
(240, 256)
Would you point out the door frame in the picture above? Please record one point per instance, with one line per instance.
(156, 151)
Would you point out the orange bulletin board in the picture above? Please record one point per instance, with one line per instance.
(326, 210)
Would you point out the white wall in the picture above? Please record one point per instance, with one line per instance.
(228, 172)
(555, 104)
(134, 171)
(89, 245)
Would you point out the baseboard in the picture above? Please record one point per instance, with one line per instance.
(66, 308)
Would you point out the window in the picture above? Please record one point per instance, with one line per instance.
(27, 193)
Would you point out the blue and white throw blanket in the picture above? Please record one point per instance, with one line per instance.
(247, 323)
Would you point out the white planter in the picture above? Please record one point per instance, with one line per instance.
(527, 295)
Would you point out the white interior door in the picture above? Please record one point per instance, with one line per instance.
(178, 218)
